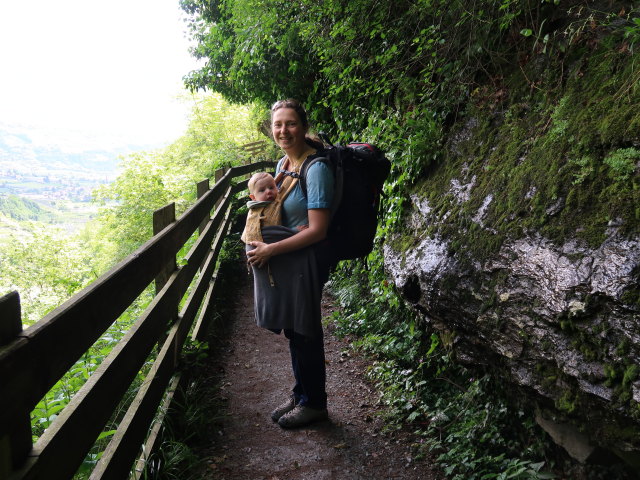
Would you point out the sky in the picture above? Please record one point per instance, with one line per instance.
(95, 71)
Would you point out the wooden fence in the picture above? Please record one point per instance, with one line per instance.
(256, 149)
(33, 360)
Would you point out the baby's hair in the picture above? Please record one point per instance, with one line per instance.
(255, 178)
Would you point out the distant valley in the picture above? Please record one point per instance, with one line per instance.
(56, 170)
(49, 165)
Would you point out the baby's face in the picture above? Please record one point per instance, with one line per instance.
(265, 190)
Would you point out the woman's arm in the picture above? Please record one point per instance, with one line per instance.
(317, 231)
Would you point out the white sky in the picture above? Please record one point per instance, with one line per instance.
(100, 68)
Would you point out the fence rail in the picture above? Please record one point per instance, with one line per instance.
(256, 148)
(34, 360)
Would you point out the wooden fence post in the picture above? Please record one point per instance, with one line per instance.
(217, 177)
(14, 445)
(162, 218)
(202, 188)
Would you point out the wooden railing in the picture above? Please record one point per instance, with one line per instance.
(256, 149)
(33, 360)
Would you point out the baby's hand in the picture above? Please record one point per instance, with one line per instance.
(302, 227)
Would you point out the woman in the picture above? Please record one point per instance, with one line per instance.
(288, 292)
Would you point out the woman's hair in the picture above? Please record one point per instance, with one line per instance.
(312, 140)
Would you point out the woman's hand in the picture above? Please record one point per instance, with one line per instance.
(259, 256)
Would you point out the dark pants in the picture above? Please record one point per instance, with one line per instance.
(307, 360)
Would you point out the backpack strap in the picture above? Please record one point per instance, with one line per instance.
(280, 174)
(290, 174)
(284, 172)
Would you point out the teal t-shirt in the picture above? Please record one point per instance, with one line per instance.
(320, 185)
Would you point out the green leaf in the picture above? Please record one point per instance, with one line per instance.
(106, 434)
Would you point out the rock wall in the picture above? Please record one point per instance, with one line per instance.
(522, 242)
(552, 319)
(558, 321)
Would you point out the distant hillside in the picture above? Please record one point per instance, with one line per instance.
(40, 151)
(23, 209)
(53, 164)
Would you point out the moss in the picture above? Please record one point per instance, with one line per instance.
(623, 347)
(549, 381)
(630, 375)
(620, 378)
(567, 402)
(548, 374)
(403, 243)
(566, 325)
(621, 395)
(487, 304)
(544, 162)
(612, 375)
(590, 354)
(626, 432)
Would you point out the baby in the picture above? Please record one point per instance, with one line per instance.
(264, 207)
(262, 187)
(264, 210)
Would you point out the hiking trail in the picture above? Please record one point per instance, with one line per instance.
(252, 368)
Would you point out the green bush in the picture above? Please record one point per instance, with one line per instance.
(463, 417)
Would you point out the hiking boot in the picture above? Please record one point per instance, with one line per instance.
(284, 408)
(302, 415)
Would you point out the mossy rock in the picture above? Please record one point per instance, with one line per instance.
(544, 163)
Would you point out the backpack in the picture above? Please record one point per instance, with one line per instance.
(360, 170)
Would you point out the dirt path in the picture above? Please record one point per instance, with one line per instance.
(253, 368)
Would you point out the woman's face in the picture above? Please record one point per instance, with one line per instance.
(287, 129)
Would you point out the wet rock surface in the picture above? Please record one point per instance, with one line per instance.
(252, 367)
(551, 319)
